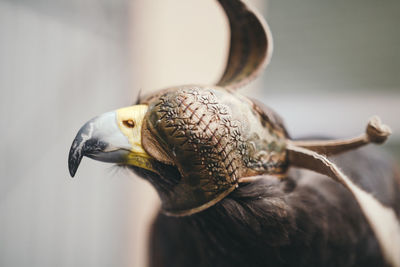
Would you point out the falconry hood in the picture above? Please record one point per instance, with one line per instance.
(213, 137)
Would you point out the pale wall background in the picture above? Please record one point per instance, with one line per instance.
(63, 62)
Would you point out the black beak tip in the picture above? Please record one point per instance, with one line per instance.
(74, 159)
(72, 169)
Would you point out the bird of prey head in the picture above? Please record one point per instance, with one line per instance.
(197, 143)
(194, 142)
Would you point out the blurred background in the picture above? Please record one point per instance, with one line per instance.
(62, 62)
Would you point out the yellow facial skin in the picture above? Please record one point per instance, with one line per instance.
(130, 121)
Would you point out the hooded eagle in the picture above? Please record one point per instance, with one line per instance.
(233, 184)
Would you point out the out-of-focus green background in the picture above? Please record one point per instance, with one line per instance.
(62, 62)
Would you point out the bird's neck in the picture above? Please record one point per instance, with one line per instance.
(244, 225)
(282, 222)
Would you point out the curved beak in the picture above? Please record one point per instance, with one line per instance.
(109, 138)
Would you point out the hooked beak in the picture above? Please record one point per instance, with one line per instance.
(113, 137)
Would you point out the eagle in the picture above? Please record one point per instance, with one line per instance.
(235, 188)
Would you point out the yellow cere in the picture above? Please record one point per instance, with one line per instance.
(130, 121)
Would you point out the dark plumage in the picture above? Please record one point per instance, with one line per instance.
(304, 220)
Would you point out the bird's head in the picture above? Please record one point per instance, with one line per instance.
(192, 143)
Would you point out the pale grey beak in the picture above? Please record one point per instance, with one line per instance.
(100, 139)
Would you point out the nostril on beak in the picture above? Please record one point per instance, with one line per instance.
(129, 123)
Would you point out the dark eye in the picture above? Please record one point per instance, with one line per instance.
(129, 123)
